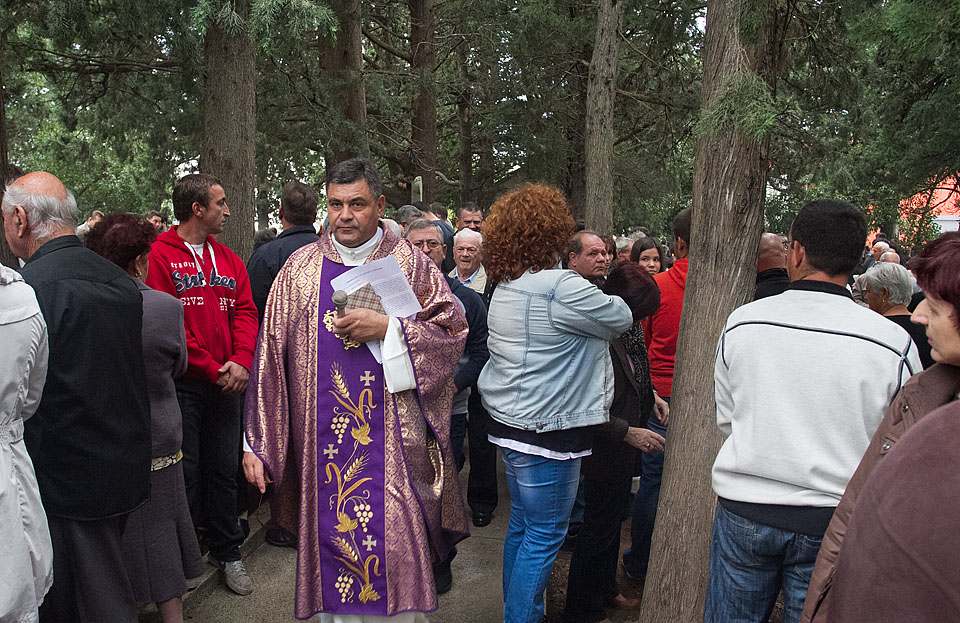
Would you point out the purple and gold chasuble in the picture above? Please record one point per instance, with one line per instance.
(364, 477)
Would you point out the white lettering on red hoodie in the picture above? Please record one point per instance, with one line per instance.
(218, 311)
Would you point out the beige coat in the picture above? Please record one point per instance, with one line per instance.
(25, 547)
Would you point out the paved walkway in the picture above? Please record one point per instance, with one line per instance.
(476, 595)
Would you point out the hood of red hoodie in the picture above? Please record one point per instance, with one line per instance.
(678, 273)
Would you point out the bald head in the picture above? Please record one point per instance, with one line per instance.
(890, 256)
(36, 208)
(42, 183)
(771, 253)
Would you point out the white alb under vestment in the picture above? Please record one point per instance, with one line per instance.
(25, 547)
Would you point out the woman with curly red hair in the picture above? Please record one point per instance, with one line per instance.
(159, 544)
(549, 377)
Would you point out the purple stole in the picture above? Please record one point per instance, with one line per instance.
(350, 466)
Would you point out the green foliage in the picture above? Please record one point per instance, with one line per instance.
(743, 102)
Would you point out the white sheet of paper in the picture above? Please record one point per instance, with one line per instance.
(388, 281)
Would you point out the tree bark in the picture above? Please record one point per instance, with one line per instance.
(7, 258)
(598, 131)
(423, 136)
(229, 127)
(465, 125)
(729, 183)
(576, 186)
(342, 61)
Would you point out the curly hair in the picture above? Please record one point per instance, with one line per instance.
(528, 228)
(936, 271)
(121, 237)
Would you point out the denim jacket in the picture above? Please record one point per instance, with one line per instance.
(550, 366)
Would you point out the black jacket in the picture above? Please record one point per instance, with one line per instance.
(476, 347)
(266, 262)
(90, 437)
(612, 458)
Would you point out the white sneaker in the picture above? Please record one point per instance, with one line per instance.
(236, 576)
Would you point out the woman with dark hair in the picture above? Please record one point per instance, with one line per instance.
(936, 272)
(159, 543)
(608, 471)
(649, 254)
(546, 380)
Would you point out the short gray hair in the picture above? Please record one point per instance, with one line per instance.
(407, 213)
(422, 223)
(467, 234)
(45, 212)
(623, 243)
(891, 277)
(353, 170)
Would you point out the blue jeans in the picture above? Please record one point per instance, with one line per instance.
(749, 564)
(645, 506)
(541, 497)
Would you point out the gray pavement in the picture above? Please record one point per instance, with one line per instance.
(476, 596)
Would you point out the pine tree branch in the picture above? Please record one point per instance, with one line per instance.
(386, 47)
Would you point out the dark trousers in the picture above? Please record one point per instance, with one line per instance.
(592, 582)
(90, 582)
(482, 480)
(645, 504)
(211, 445)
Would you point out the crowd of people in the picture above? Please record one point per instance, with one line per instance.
(150, 372)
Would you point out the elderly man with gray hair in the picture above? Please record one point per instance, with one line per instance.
(90, 436)
(889, 287)
(468, 253)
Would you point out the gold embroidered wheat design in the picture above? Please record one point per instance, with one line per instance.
(356, 467)
(345, 548)
(338, 381)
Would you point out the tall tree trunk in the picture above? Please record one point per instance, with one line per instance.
(742, 57)
(229, 127)
(342, 61)
(598, 132)
(576, 185)
(465, 124)
(7, 258)
(423, 139)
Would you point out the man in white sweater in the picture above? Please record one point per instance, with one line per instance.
(801, 380)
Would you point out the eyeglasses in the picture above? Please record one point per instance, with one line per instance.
(430, 244)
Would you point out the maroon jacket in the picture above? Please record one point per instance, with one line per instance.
(924, 392)
(899, 560)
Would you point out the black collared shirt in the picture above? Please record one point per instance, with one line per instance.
(266, 262)
(90, 437)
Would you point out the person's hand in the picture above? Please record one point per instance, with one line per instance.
(644, 439)
(662, 408)
(233, 378)
(253, 470)
(362, 325)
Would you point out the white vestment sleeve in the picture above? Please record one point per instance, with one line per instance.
(397, 367)
(246, 446)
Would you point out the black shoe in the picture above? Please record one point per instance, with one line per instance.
(443, 577)
(482, 519)
(278, 537)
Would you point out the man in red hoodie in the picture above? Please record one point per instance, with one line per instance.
(221, 326)
(660, 334)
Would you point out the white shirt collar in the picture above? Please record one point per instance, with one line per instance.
(357, 255)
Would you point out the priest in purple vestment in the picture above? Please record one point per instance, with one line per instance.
(358, 450)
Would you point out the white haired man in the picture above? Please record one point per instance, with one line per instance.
(468, 254)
